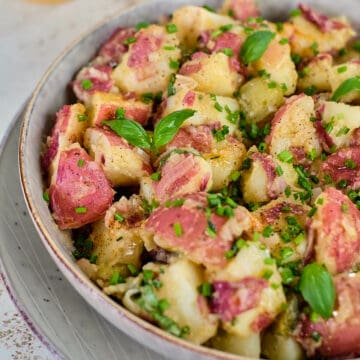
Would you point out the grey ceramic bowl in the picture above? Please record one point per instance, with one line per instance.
(50, 94)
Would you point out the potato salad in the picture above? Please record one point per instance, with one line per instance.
(208, 171)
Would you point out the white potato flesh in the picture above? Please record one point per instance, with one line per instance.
(226, 157)
(214, 75)
(146, 67)
(250, 263)
(103, 106)
(318, 73)
(277, 62)
(342, 72)
(291, 127)
(205, 107)
(261, 183)
(249, 346)
(258, 100)
(306, 34)
(191, 21)
(184, 299)
(345, 119)
(122, 163)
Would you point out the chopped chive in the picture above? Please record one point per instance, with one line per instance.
(343, 52)
(256, 236)
(350, 164)
(287, 191)
(314, 47)
(218, 107)
(283, 41)
(272, 85)
(120, 113)
(116, 278)
(148, 275)
(295, 12)
(267, 274)
(133, 269)
(156, 176)
(296, 58)
(130, 40)
(312, 211)
(177, 229)
(262, 147)
(279, 170)
(206, 289)
(235, 175)
(279, 26)
(263, 73)
(341, 69)
(320, 201)
(171, 28)
(82, 117)
(142, 25)
(174, 64)
(86, 84)
(269, 261)
(81, 163)
(119, 217)
(169, 48)
(286, 252)
(268, 231)
(284, 87)
(312, 155)
(81, 210)
(46, 196)
(311, 90)
(343, 131)
(228, 51)
(208, 8)
(285, 156)
(92, 259)
(342, 184)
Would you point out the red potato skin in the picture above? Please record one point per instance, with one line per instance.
(62, 120)
(99, 75)
(243, 9)
(199, 138)
(334, 165)
(232, 298)
(76, 186)
(194, 65)
(134, 110)
(340, 335)
(176, 175)
(194, 241)
(114, 48)
(321, 21)
(336, 246)
(274, 213)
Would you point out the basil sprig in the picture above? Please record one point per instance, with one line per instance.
(345, 87)
(164, 131)
(255, 45)
(317, 288)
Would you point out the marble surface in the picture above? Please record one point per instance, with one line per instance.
(31, 36)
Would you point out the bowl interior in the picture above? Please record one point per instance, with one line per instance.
(49, 96)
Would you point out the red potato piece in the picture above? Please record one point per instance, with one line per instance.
(240, 9)
(104, 105)
(344, 164)
(114, 48)
(339, 335)
(69, 127)
(323, 22)
(335, 232)
(194, 241)
(183, 172)
(149, 63)
(80, 193)
(214, 73)
(261, 183)
(91, 79)
(122, 163)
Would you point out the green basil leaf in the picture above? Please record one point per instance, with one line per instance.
(317, 288)
(168, 126)
(131, 131)
(347, 86)
(255, 45)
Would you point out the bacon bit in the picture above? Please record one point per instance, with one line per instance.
(232, 298)
(227, 40)
(263, 321)
(355, 137)
(324, 23)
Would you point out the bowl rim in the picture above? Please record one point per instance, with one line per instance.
(70, 269)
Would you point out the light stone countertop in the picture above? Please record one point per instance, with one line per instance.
(31, 36)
